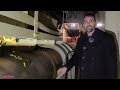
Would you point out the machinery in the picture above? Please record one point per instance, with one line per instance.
(29, 49)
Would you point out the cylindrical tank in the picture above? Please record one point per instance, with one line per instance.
(49, 61)
(39, 62)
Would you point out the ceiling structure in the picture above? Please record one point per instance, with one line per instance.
(65, 15)
(72, 16)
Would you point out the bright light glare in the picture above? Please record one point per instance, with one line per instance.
(72, 25)
(99, 24)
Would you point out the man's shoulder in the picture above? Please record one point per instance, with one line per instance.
(107, 34)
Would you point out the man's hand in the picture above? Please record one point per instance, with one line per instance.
(61, 71)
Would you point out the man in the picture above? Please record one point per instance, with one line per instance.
(95, 53)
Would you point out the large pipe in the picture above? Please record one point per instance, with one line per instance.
(10, 68)
(33, 62)
(37, 64)
(50, 63)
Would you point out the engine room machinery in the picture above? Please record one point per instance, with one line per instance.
(31, 53)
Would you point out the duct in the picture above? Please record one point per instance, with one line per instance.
(37, 62)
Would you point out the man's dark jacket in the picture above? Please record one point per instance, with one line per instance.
(96, 56)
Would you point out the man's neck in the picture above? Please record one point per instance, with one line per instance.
(90, 33)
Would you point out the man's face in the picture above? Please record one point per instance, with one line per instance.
(89, 23)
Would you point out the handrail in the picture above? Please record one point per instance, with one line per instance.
(15, 24)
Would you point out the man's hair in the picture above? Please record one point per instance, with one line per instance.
(90, 15)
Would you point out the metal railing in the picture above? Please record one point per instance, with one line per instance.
(13, 30)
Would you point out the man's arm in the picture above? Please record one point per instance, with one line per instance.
(75, 57)
(111, 56)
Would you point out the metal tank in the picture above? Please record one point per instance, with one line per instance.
(34, 52)
(39, 62)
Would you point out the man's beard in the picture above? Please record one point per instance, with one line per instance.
(89, 29)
